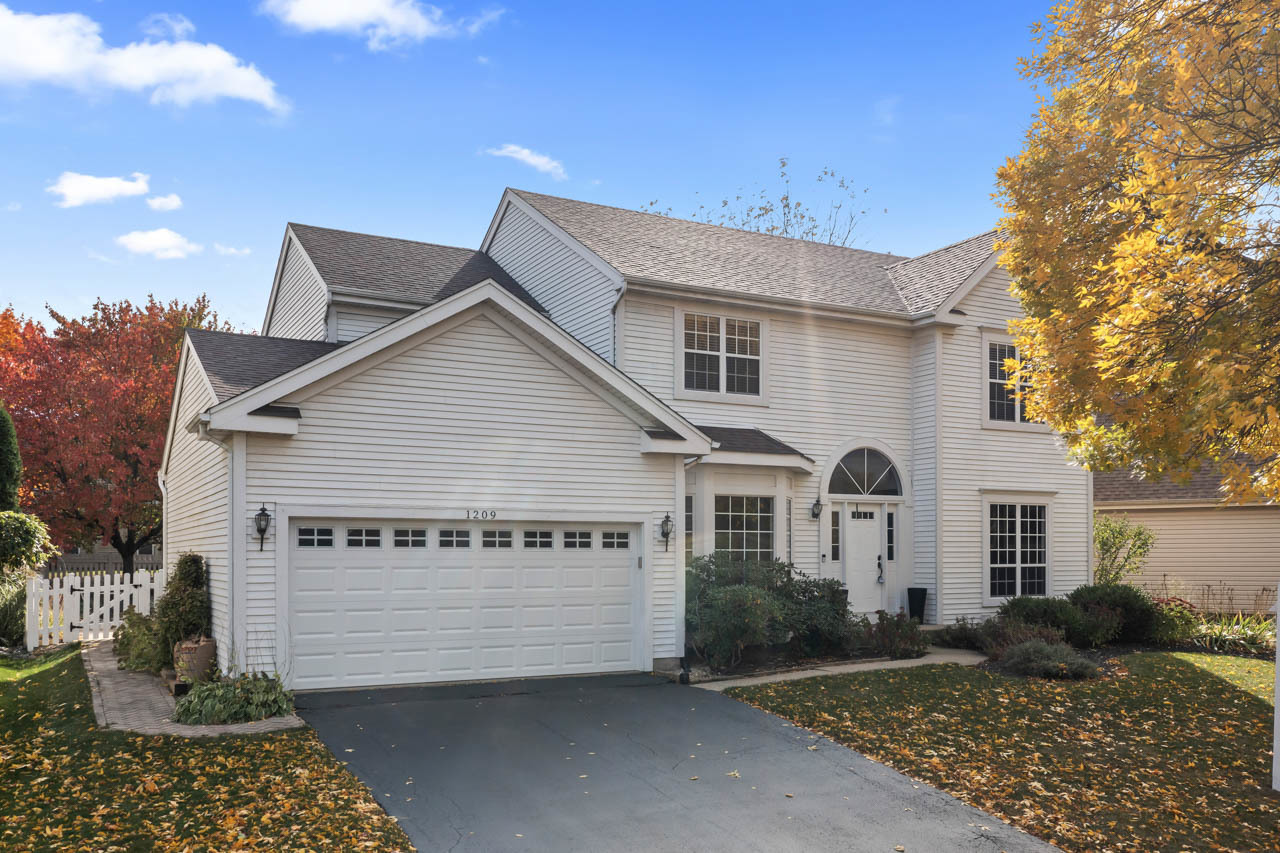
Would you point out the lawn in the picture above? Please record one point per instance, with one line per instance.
(66, 785)
(1173, 755)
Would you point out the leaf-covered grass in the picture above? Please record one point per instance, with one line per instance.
(1173, 755)
(66, 785)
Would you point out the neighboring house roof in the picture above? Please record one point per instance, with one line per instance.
(746, 440)
(1124, 487)
(401, 270)
(926, 281)
(694, 254)
(235, 363)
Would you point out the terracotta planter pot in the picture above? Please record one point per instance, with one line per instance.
(194, 659)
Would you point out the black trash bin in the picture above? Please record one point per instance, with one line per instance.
(916, 596)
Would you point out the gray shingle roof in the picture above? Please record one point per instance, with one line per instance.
(926, 281)
(405, 270)
(677, 251)
(235, 363)
(747, 440)
(1123, 487)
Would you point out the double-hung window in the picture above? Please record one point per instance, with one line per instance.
(721, 355)
(1003, 403)
(744, 526)
(1018, 549)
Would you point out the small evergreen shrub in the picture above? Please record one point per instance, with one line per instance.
(1099, 625)
(817, 613)
(891, 635)
(1038, 659)
(734, 618)
(13, 608)
(139, 643)
(1176, 621)
(10, 463)
(1137, 612)
(964, 633)
(1049, 612)
(238, 700)
(24, 542)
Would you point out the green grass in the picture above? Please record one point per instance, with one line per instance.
(66, 785)
(1174, 755)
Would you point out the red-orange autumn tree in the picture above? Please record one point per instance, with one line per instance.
(90, 401)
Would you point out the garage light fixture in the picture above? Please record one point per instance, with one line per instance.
(262, 523)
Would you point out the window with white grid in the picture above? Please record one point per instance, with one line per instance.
(1017, 549)
(722, 355)
(744, 526)
(315, 537)
(1003, 403)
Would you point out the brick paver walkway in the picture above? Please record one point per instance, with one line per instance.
(139, 702)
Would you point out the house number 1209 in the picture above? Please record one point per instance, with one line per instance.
(482, 514)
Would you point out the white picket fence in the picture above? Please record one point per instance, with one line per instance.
(64, 608)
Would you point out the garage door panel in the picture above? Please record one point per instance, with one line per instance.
(384, 615)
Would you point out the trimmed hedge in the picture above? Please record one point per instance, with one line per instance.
(1136, 609)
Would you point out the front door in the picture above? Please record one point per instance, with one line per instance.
(861, 556)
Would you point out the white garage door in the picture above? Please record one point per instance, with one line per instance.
(377, 602)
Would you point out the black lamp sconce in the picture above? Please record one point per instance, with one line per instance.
(666, 528)
(262, 523)
(815, 511)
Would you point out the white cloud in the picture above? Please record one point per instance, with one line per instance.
(167, 25)
(541, 162)
(68, 50)
(100, 258)
(483, 60)
(77, 189)
(231, 250)
(382, 23)
(172, 201)
(13, 206)
(161, 243)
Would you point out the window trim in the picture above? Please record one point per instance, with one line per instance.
(722, 396)
(773, 529)
(1020, 498)
(989, 337)
(364, 537)
(315, 535)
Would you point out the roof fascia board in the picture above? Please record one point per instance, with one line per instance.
(639, 286)
(351, 297)
(1167, 504)
(792, 461)
(511, 199)
(968, 285)
(256, 423)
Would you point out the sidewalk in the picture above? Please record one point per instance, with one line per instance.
(138, 702)
(963, 657)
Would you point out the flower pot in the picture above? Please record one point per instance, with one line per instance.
(916, 597)
(193, 660)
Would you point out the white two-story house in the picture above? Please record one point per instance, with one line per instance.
(440, 464)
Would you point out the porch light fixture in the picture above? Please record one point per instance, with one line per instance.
(815, 511)
(666, 528)
(262, 523)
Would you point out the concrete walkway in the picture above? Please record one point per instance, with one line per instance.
(138, 701)
(963, 657)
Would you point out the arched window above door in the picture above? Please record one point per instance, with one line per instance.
(865, 471)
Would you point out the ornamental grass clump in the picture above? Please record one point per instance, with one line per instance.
(1038, 659)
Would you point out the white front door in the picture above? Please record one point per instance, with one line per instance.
(861, 556)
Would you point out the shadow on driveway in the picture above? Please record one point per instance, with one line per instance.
(625, 763)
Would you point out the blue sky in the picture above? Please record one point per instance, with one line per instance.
(376, 115)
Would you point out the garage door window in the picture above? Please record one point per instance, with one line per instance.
(495, 539)
(455, 538)
(315, 537)
(579, 539)
(615, 539)
(409, 537)
(538, 539)
(364, 537)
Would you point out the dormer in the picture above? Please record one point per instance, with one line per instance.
(337, 286)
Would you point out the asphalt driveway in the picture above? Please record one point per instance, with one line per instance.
(625, 763)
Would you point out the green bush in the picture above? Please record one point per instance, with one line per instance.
(1137, 612)
(1177, 621)
(10, 463)
(1240, 633)
(964, 633)
(816, 611)
(140, 645)
(1050, 612)
(13, 608)
(190, 572)
(1038, 659)
(1120, 548)
(734, 618)
(239, 700)
(891, 635)
(998, 635)
(24, 542)
(182, 613)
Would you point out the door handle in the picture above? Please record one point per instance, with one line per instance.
(880, 568)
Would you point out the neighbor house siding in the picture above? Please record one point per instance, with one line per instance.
(357, 322)
(1220, 558)
(1017, 461)
(577, 295)
(471, 417)
(301, 302)
(196, 500)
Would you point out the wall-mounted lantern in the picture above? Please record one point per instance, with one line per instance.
(262, 523)
(815, 511)
(667, 527)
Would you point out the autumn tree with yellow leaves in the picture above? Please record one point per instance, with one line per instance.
(1141, 231)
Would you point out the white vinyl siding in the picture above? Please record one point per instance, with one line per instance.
(301, 301)
(1220, 558)
(1016, 462)
(471, 417)
(355, 322)
(924, 473)
(196, 502)
(578, 295)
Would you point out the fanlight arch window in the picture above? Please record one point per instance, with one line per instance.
(865, 472)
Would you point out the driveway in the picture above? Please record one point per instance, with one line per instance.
(625, 763)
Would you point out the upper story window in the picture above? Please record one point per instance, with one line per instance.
(721, 355)
(1002, 402)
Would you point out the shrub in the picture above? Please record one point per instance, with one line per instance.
(817, 613)
(1176, 621)
(1099, 625)
(964, 633)
(891, 635)
(1137, 612)
(1241, 633)
(24, 542)
(239, 700)
(998, 634)
(1120, 548)
(1049, 612)
(10, 463)
(190, 572)
(139, 643)
(734, 618)
(183, 612)
(13, 608)
(1038, 659)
